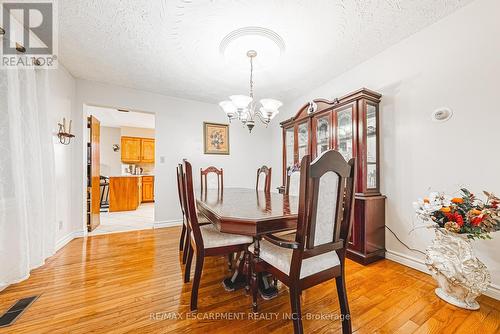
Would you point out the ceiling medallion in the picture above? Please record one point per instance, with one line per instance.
(244, 108)
(252, 32)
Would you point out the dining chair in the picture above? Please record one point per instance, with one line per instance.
(325, 212)
(205, 240)
(292, 180)
(267, 180)
(179, 191)
(204, 174)
(184, 240)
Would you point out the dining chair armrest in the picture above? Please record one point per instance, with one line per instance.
(281, 242)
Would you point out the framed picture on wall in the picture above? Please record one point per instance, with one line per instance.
(216, 138)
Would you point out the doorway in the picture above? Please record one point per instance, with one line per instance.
(120, 170)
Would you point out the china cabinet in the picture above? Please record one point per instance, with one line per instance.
(350, 125)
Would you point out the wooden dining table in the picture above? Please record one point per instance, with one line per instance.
(248, 212)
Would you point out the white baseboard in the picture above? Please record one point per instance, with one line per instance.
(67, 238)
(415, 263)
(167, 223)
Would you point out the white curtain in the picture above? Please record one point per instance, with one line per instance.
(27, 181)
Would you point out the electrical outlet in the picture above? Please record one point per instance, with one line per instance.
(60, 225)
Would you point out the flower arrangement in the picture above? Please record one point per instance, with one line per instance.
(463, 215)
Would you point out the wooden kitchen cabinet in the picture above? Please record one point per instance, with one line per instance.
(148, 189)
(131, 149)
(135, 150)
(147, 150)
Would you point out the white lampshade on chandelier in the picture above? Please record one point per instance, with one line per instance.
(246, 109)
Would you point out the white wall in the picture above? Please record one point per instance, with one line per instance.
(453, 63)
(111, 164)
(137, 132)
(61, 100)
(179, 134)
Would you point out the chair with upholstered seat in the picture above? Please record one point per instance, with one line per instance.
(325, 213)
(204, 240)
(184, 241)
(267, 180)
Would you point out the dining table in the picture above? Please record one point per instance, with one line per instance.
(249, 212)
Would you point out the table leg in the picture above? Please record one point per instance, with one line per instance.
(267, 290)
(238, 278)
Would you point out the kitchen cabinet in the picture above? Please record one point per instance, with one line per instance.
(131, 149)
(147, 150)
(136, 150)
(350, 125)
(148, 189)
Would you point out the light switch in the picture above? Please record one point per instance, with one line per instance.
(162, 160)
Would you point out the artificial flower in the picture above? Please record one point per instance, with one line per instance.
(476, 221)
(466, 214)
(452, 227)
(439, 199)
(455, 217)
(475, 212)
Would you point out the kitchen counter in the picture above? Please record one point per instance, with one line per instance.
(125, 192)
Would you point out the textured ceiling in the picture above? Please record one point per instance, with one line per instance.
(172, 46)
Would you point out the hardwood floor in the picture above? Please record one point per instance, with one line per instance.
(132, 282)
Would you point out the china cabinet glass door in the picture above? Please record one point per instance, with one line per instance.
(371, 147)
(345, 133)
(322, 134)
(302, 140)
(289, 144)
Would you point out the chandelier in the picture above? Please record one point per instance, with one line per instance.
(245, 109)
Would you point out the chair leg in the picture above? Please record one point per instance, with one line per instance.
(296, 312)
(187, 246)
(247, 270)
(196, 281)
(187, 269)
(181, 241)
(344, 304)
(253, 283)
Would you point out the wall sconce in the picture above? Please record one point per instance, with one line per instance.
(64, 137)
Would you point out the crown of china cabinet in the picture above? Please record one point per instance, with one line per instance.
(350, 125)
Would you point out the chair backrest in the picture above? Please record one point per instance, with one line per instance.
(292, 180)
(179, 188)
(219, 174)
(190, 204)
(326, 204)
(267, 181)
